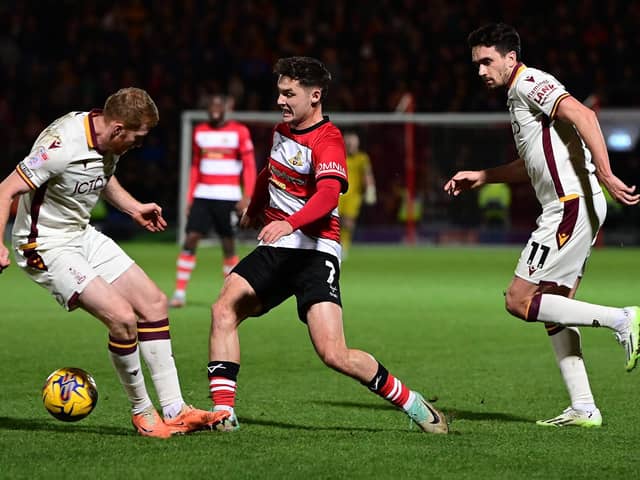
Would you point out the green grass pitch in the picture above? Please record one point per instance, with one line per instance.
(433, 316)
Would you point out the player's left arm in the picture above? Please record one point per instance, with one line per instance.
(586, 123)
(147, 215)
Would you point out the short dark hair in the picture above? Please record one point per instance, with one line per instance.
(503, 37)
(310, 72)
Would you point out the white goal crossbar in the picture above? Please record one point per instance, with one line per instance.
(611, 120)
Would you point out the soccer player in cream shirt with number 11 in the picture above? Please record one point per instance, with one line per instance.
(562, 152)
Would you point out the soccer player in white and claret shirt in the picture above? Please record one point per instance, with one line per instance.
(71, 165)
(296, 199)
(563, 154)
(223, 175)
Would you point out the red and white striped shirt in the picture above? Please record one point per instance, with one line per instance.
(222, 156)
(298, 160)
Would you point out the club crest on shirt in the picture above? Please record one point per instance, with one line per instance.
(37, 159)
(296, 160)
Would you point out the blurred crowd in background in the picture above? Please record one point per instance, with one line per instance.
(58, 56)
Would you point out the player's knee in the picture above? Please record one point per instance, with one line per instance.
(515, 305)
(123, 323)
(222, 316)
(333, 358)
(160, 301)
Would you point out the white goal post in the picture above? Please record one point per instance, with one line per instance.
(620, 127)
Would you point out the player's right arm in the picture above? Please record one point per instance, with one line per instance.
(147, 215)
(514, 172)
(10, 187)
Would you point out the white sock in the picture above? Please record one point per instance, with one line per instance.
(130, 374)
(173, 410)
(226, 408)
(569, 312)
(568, 351)
(158, 356)
(410, 400)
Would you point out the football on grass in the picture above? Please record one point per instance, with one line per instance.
(69, 394)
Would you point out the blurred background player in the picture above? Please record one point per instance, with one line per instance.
(71, 165)
(362, 186)
(563, 154)
(299, 251)
(223, 174)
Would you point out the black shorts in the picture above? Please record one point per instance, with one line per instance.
(278, 273)
(204, 213)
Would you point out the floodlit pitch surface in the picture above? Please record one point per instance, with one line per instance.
(433, 316)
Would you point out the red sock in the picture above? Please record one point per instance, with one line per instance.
(228, 264)
(222, 383)
(389, 387)
(186, 263)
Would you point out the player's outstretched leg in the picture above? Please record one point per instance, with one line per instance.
(551, 308)
(628, 337)
(571, 417)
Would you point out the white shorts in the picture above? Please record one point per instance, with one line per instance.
(65, 271)
(558, 249)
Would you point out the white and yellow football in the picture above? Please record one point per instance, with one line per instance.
(69, 394)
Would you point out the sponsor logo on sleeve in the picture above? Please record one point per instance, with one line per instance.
(331, 167)
(541, 91)
(25, 170)
(37, 159)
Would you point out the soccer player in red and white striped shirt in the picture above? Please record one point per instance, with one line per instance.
(296, 198)
(222, 179)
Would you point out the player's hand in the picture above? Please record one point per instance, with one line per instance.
(4, 258)
(621, 191)
(275, 230)
(242, 205)
(370, 197)
(464, 180)
(149, 217)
